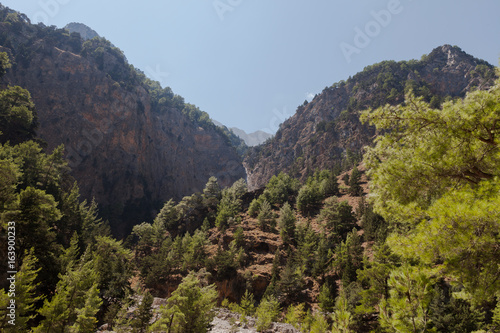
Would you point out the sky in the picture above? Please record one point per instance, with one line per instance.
(251, 63)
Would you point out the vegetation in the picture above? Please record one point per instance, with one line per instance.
(420, 254)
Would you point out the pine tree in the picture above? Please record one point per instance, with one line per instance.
(143, 314)
(266, 217)
(189, 309)
(69, 303)
(25, 297)
(286, 224)
(355, 188)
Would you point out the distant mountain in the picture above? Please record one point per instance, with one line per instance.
(327, 133)
(251, 139)
(131, 144)
(85, 32)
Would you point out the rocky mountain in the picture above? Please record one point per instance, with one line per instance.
(131, 144)
(327, 133)
(251, 139)
(85, 32)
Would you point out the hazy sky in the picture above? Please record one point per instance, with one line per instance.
(250, 63)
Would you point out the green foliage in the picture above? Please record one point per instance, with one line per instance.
(280, 189)
(295, 315)
(407, 308)
(374, 225)
(308, 199)
(17, 116)
(449, 314)
(349, 258)
(254, 208)
(230, 204)
(25, 296)
(462, 234)
(326, 297)
(338, 217)
(143, 314)
(266, 217)
(189, 309)
(267, 312)
(167, 219)
(341, 317)
(355, 188)
(424, 151)
(75, 302)
(286, 223)
(212, 193)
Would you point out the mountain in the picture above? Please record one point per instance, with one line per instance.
(131, 144)
(327, 133)
(251, 139)
(85, 32)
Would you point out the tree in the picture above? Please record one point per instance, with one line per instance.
(286, 223)
(424, 152)
(435, 180)
(267, 312)
(189, 309)
(407, 308)
(308, 199)
(341, 317)
(212, 193)
(355, 188)
(280, 188)
(266, 217)
(75, 301)
(338, 218)
(143, 314)
(25, 297)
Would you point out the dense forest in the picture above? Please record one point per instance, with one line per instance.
(405, 241)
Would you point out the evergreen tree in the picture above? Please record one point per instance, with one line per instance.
(189, 309)
(25, 296)
(338, 217)
(308, 199)
(286, 224)
(355, 188)
(143, 314)
(266, 217)
(267, 312)
(74, 302)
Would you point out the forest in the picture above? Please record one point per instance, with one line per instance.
(405, 239)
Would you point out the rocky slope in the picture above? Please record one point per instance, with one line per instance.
(129, 149)
(327, 133)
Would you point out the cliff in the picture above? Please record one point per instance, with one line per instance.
(327, 133)
(128, 148)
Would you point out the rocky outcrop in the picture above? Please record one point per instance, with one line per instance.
(327, 133)
(85, 32)
(124, 152)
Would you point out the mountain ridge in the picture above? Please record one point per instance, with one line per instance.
(327, 133)
(132, 144)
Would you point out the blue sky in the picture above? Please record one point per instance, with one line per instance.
(250, 63)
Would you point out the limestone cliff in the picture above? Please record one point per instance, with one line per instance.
(126, 149)
(327, 133)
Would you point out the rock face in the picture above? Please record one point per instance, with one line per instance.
(327, 133)
(123, 151)
(85, 32)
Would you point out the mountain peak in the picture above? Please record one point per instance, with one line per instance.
(85, 32)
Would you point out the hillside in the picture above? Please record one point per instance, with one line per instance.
(131, 144)
(327, 133)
